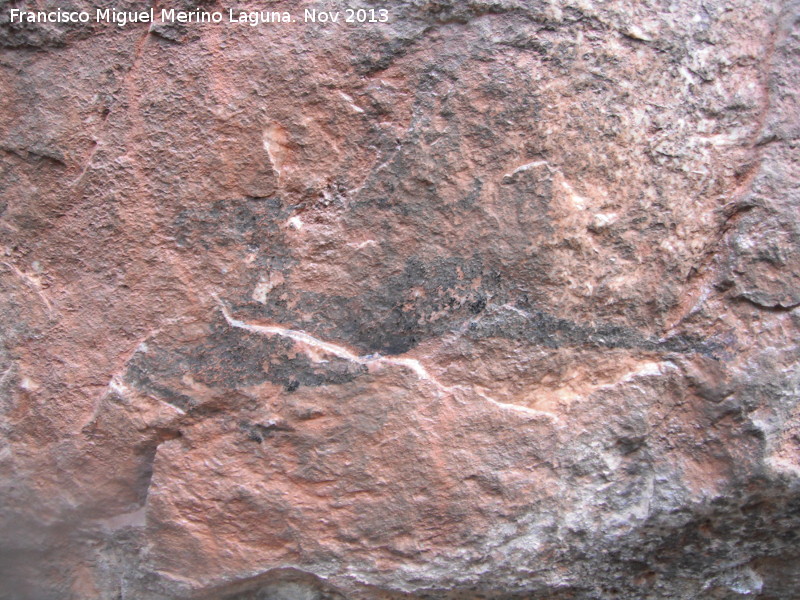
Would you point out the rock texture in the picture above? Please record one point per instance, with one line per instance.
(496, 300)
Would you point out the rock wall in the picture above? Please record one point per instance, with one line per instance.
(497, 300)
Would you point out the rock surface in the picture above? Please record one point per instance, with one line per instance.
(496, 300)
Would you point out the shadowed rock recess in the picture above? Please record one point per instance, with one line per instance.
(497, 300)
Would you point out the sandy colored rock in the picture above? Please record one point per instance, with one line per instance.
(494, 300)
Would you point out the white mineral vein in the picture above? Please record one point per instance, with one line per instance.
(411, 364)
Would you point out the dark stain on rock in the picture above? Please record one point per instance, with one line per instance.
(543, 329)
(245, 224)
(432, 297)
(427, 298)
(141, 376)
(258, 432)
(229, 359)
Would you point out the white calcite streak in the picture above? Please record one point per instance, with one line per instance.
(409, 364)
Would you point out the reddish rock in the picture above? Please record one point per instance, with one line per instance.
(494, 300)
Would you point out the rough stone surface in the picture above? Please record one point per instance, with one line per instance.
(496, 300)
